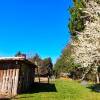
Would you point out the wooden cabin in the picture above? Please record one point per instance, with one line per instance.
(16, 75)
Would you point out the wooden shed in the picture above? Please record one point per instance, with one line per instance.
(16, 75)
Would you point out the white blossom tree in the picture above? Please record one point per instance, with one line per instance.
(87, 48)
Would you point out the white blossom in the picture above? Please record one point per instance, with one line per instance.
(87, 48)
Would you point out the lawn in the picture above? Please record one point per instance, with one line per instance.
(59, 90)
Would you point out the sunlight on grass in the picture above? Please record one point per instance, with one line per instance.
(65, 90)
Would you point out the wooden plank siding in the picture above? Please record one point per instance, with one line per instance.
(25, 79)
(9, 81)
(15, 77)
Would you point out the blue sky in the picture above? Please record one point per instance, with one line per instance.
(34, 26)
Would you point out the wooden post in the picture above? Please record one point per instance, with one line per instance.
(48, 79)
(38, 74)
(38, 71)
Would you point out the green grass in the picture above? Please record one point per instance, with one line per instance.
(62, 90)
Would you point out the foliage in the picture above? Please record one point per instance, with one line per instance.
(84, 16)
(36, 59)
(65, 63)
(45, 66)
(86, 49)
(97, 1)
(76, 23)
(19, 53)
(47, 62)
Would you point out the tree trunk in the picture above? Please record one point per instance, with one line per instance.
(97, 77)
(38, 74)
(86, 72)
(48, 79)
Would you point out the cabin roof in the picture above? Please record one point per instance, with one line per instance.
(12, 58)
(19, 59)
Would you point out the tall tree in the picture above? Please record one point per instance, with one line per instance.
(36, 59)
(18, 54)
(45, 66)
(87, 46)
(47, 63)
(65, 63)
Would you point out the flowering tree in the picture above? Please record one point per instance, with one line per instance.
(87, 47)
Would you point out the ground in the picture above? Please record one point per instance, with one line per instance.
(60, 89)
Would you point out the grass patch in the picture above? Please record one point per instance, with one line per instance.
(60, 90)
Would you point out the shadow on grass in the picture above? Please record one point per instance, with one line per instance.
(37, 88)
(5, 99)
(95, 87)
(41, 87)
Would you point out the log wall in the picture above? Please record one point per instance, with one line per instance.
(26, 77)
(9, 81)
(15, 77)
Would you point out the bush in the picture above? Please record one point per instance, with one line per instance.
(77, 24)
